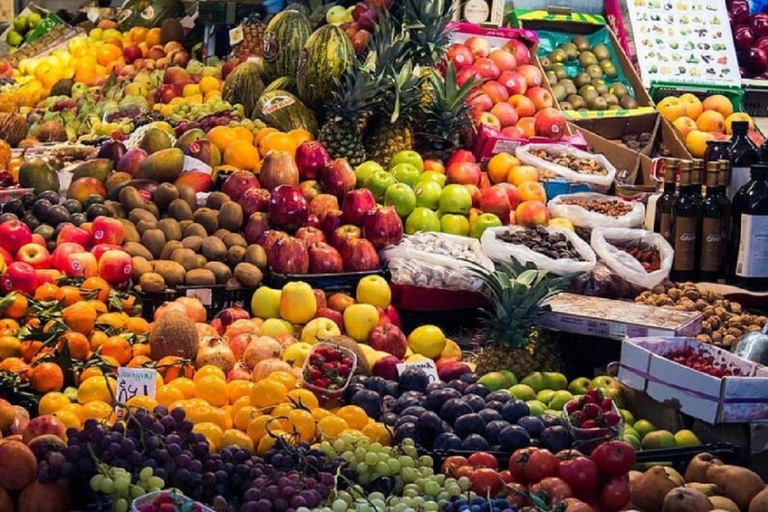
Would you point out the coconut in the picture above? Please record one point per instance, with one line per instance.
(173, 335)
(51, 131)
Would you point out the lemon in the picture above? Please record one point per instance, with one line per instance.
(427, 340)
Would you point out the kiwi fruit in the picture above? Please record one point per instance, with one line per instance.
(582, 79)
(558, 90)
(231, 216)
(184, 223)
(207, 218)
(180, 210)
(152, 208)
(152, 282)
(587, 58)
(200, 276)
(195, 243)
(171, 229)
(130, 198)
(628, 102)
(248, 275)
(115, 209)
(172, 272)
(233, 284)
(135, 249)
(220, 270)
(194, 229)
(619, 89)
(256, 255)
(154, 241)
(169, 248)
(129, 231)
(614, 107)
(601, 51)
(571, 51)
(551, 77)
(214, 249)
(610, 99)
(189, 196)
(576, 101)
(232, 239)
(564, 105)
(140, 214)
(570, 88)
(165, 194)
(609, 68)
(588, 92)
(140, 267)
(216, 200)
(600, 87)
(557, 55)
(581, 43)
(546, 64)
(560, 72)
(221, 232)
(144, 225)
(597, 103)
(235, 255)
(201, 261)
(186, 258)
(594, 71)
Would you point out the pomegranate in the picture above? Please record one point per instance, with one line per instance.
(216, 352)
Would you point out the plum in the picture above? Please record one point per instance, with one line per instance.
(447, 441)
(533, 425)
(454, 408)
(469, 424)
(514, 437)
(493, 429)
(514, 410)
(555, 438)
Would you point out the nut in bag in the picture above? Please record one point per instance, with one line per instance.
(641, 257)
(592, 210)
(573, 164)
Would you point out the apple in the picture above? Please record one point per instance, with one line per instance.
(70, 233)
(310, 189)
(455, 199)
(514, 82)
(365, 170)
(115, 267)
(428, 194)
(474, 193)
(422, 219)
(405, 173)
(356, 205)
(479, 102)
(487, 68)
(14, 234)
(496, 91)
(464, 173)
(513, 132)
(82, 264)
(386, 367)
(360, 255)
(437, 177)
(468, 74)
(322, 204)
(20, 277)
(460, 55)
(343, 235)
(383, 227)
(523, 105)
(289, 255)
(37, 256)
(378, 183)
(541, 97)
(333, 315)
(338, 177)
(166, 93)
(269, 238)
(311, 159)
(324, 259)
(107, 231)
(520, 51)
(506, 114)
(288, 208)
(461, 155)
(310, 235)
(402, 197)
(131, 160)
(479, 46)
(433, 165)
(340, 302)
(258, 223)
(131, 53)
(37, 238)
(504, 59)
(407, 157)
(7, 257)
(454, 224)
(512, 193)
(483, 222)
(47, 275)
(549, 123)
(254, 200)
(60, 255)
(331, 222)
(389, 338)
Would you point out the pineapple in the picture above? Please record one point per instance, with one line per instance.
(510, 338)
(353, 101)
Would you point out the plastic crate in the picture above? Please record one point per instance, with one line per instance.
(554, 188)
(214, 298)
(661, 90)
(755, 102)
(344, 282)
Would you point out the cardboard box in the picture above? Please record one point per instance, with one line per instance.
(714, 400)
(616, 128)
(616, 319)
(626, 161)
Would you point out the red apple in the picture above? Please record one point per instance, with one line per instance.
(269, 238)
(288, 208)
(254, 200)
(386, 367)
(540, 97)
(324, 259)
(359, 255)
(487, 68)
(14, 234)
(330, 223)
(474, 192)
(394, 316)
(505, 113)
(461, 155)
(321, 204)
(175, 75)
(38, 239)
(520, 51)
(513, 132)
(504, 59)
(389, 338)
(310, 235)
(468, 74)
(464, 173)
(523, 105)
(383, 318)
(289, 256)
(332, 315)
(549, 123)
(496, 91)
(7, 256)
(460, 55)
(532, 75)
(47, 275)
(356, 206)
(512, 194)
(257, 224)
(480, 102)
(71, 233)
(343, 235)
(311, 189)
(60, 255)
(108, 231)
(383, 227)
(37, 256)
(434, 165)
(312, 222)
(338, 177)
(514, 82)
(479, 46)
(81, 264)
(238, 183)
(20, 277)
(494, 200)
(115, 267)
(131, 53)
(311, 158)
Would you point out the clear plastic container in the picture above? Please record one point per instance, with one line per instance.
(587, 439)
(178, 497)
(328, 397)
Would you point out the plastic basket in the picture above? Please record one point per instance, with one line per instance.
(755, 101)
(328, 398)
(180, 498)
(587, 439)
(660, 90)
(343, 282)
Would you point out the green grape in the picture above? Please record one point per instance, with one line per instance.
(156, 482)
(382, 467)
(96, 482)
(145, 473)
(432, 488)
(339, 445)
(406, 462)
(345, 496)
(371, 459)
(394, 466)
(383, 457)
(121, 505)
(122, 485)
(107, 486)
(360, 453)
(348, 456)
(375, 448)
(137, 491)
(464, 484)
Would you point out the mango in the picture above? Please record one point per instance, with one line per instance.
(82, 188)
(163, 166)
(97, 168)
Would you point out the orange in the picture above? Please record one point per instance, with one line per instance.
(78, 345)
(234, 437)
(141, 349)
(268, 393)
(212, 432)
(127, 303)
(303, 398)
(80, 317)
(137, 325)
(142, 402)
(221, 137)
(48, 292)
(96, 389)
(52, 402)
(114, 320)
(212, 389)
(332, 426)
(71, 295)
(319, 413)
(29, 349)
(302, 423)
(10, 346)
(500, 165)
(138, 34)
(139, 361)
(18, 306)
(166, 395)
(243, 133)
(15, 365)
(119, 348)
(263, 133)
(242, 154)
(300, 135)
(257, 427)
(108, 53)
(522, 173)
(354, 416)
(96, 283)
(277, 142)
(210, 371)
(97, 339)
(153, 37)
(47, 377)
(284, 377)
(173, 367)
(237, 389)
(185, 385)
(211, 83)
(244, 416)
(69, 419)
(91, 371)
(96, 409)
(9, 326)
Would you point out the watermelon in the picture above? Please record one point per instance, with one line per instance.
(326, 54)
(243, 85)
(284, 111)
(284, 38)
(284, 83)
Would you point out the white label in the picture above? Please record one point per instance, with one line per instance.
(236, 35)
(427, 367)
(205, 295)
(753, 247)
(739, 178)
(133, 382)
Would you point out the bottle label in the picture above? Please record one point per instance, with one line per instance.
(711, 245)
(665, 226)
(753, 247)
(739, 178)
(685, 243)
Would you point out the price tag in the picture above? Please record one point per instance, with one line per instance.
(427, 367)
(133, 382)
(205, 295)
(236, 35)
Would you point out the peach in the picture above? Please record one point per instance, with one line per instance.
(506, 114)
(718, 103)
(696, 142)
(711, 121)
(738, 116)
(532, 191)
(523, 105)
(671, 108)
(513, 132)
(521, 174)
(532, 213)
(684, 125)
(692, 104)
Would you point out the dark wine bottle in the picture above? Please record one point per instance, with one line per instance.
(722, 197)
(712, 241)
(744, 154)
(717, 150)
(686, 225)
(663, 217)
(749, 231)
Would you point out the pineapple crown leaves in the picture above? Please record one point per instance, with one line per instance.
(388, 46)
(427, 25)
(403, 94)
(447, 111)
(357, 91)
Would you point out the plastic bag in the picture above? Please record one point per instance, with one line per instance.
(436, 260)
(581, 217)
(624, 264)
(599, 182)
(499, 250)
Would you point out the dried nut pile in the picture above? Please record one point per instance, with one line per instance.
(724, 321)
(648, 256)
(635, 141)
(610, 207)
(563, 159)
(538, 239)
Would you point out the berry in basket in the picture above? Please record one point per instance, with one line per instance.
(170, 502)
(329, 368)
(593, 410)
(703, 362)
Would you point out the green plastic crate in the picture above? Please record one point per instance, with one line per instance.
(660, 90)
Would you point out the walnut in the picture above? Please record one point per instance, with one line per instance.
(754, 328)
(706, 328)
(703, 338)
(736, 308)
(722, 313)
(708, 312)
(714, 322)
(718, 303)
(735, 320)
(733, 331)
(659, 288)
(727, 304)
(665, 302)
(701, 304)
(716, 337)
(729, 340)
(762, 320)
(675, 293)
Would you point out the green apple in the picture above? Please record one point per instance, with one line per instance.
(14, 39)
(402, 197)
(686, 438)
(579, 386)
(405, 173)
(615, 393)
(378, 183)
(365, 170)
(535, 380)
(627, 417)
(407, 157)
(657, 440)
(494, 381)
(455, 199)
(604, 381)
(454, 224)
(78, 89)
(422, 219)
(33, 20)
(635, 442)
(510, 376)
(545, 395)
(428, 194)
(537, 408)
(643, 428)
(559, 399)
(552, 412)
(336, 15)
(433, 176)
(523, 392)
(483, 222)
(556, 381)
(631, 431)
(20, 24)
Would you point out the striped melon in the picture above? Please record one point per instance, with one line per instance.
(284, 111)
(283, 40)
(326, 54)
(243, 85)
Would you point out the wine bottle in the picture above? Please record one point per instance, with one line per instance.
(712, 242)
(744, 154)
(663, 217)
(686, 225)
(750, 230)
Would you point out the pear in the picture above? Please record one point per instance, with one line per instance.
(707, 489)
(686, 500)
(738, 484)
(721, 502)
(697, 468)
(760, 502)
(674, 476)
(649, 490)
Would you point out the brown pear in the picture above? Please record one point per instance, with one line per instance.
(278, 168)
(649, 490)
(686, 500)
(721, 502)
(760, 502)
(675, 476)
(707, 489)
(737, 483)
(697, 468)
